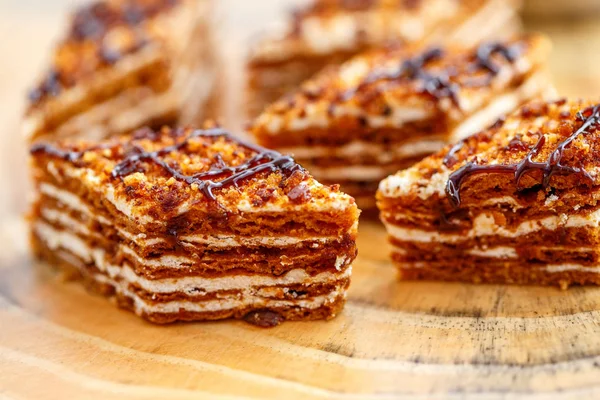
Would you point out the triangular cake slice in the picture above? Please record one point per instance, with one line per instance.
(517, 203)
(194, 225)
(385, 110)
(331, 31)
(125, 64)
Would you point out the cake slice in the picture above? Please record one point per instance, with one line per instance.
(331, 31)
(382, 111)
(125, 64)
(517, 203)
(184, 225)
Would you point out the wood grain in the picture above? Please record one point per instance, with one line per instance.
(393, 340)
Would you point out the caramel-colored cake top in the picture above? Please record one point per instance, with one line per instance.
(396, 85)
(99, 35)
(330, 26)
(544, 145)
(173, 171)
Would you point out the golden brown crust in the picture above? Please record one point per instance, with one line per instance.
(445, 84)
(542, 151)
(161, 174)
(99, 35)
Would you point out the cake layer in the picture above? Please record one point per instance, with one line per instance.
(186, 260)
(239, 279)
(484, 224)
(405, 252)
(502, 273)
(236, 304)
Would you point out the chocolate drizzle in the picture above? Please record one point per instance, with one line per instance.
(487, 50)
(590, 118)
(444, 83)
(218, 177)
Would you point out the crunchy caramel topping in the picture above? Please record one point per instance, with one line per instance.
(559, 147)
(100, 34)
(378, 81)
(174, 166)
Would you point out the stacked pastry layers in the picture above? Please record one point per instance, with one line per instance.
(517, 203)
(331, 31)
(385, 110)
(193, 225)
(125, 64)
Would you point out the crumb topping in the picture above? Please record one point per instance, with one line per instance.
(379, 84)
(171, 170)
(542, 146)
(100, 34)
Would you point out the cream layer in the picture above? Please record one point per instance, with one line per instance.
(57, 240)
(358, 148)
(165, 261)
(485, 225)
(218, 241)
(222, 304)
(353, 173)
(507, 252)
(551, 268)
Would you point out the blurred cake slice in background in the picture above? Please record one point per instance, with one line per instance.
(517, 203)
(124, 64)
(381, 112)
(331, 31)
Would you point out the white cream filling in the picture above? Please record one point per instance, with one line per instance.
(355, 173)
(57, 240)
(358, 148)
(484, 225)
(225, 241)
(222, 304)
(557, 268)
(572, 267)
(70, 200)
(495, 252)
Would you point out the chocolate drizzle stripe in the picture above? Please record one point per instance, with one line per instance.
(263, 161)
(552, 166)
(441, 84)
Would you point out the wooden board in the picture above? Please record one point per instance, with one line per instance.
(393, 340)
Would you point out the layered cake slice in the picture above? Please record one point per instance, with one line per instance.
(331, 31)
(383, 111)
(517, 203)
(124, 64)
(194, 225)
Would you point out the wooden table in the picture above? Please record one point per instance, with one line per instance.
(394, 340)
